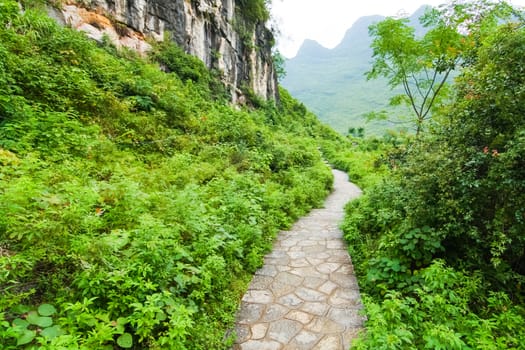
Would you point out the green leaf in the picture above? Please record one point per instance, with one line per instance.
(46, 310)
(52, 332)
(160, 316)
(21, 309)
(41, 321)
(125, 341)
(121, 324)
(32, 317)
(122, 321)
(45, 322)
(20, 323)
(26, 338)
(117, 240)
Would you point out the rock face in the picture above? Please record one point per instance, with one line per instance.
(211, 30)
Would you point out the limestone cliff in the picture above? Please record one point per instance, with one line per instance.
(211, 30)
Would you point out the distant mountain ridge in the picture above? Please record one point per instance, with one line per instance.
(311, 48)
(332, 82)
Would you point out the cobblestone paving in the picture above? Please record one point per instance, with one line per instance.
(305, 296)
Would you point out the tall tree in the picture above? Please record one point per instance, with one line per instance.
(422, 65)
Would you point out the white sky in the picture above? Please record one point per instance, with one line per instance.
(326, 21)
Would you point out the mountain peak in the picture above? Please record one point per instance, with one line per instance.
(311, 48)
(332, 83)
(358, 31)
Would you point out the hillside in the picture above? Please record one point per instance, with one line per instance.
(135, 202)
(332, 82)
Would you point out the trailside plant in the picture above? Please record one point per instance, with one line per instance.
(438, 245)
(29, 324)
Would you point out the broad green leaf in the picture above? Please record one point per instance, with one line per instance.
(125, 341)
(26, 338)
(45, 321)
(20, 323)
(121, 324)
(41, 321)
(52, 332)
(122, 321)
(46, 310)
(161, 316)
(21, 309)
(32, 317)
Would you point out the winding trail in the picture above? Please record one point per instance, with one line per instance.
(306, 295)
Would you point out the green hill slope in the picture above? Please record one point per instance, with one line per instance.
(332, 82)
(135, 204)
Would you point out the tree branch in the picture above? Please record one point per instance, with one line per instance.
(409, 93)
(440, 86)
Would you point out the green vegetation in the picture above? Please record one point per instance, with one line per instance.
(250, 20)
(333, 85)
(420, 66)
(332, 82)
(253, 11)
(135, 204)
(365, 160)
(423, 65)
(438, 244)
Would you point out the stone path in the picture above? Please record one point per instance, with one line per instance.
(305, 296)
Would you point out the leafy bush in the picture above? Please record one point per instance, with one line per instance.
(173, 59)
(253, 11)
(437, 315)
(438, 244)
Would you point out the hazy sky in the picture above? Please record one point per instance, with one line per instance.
(326, 21)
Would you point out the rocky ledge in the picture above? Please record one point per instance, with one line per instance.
(211, 30)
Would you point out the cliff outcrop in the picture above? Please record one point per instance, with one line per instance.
(212, 30)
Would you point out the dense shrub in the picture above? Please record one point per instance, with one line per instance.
(439, 244)
(253, 11)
